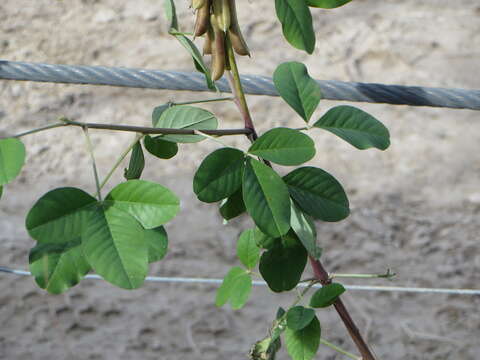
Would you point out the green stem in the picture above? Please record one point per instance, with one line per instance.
(33, 131)
(233, 77)
(201, 101)
(138, 137)
(340, 350)
(94, 164)
(387, 275)
(199, 132)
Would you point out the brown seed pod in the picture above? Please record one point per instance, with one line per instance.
(218, 50)
(235, 34)
(203, 19)
(221, 11)
(207, 45)
(197, 4)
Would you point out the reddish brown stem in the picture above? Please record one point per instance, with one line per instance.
(322, 276)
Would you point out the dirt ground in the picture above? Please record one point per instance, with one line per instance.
(415, 207)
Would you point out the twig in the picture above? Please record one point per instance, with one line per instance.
(201, 101)
(339, 349)
(33, 131)
(94, 165)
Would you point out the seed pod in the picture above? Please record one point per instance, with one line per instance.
(207, 45)
(221, 11)
(235, 34)
(218, 50)
(197, 4)
(203, 19)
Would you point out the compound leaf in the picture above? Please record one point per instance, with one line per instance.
(282, 266)
(318, 193)
(58, 267)
(236, 288)
(266, 198)
(157, 242)
(60, 216)
(356, 127)
(150, 203)
(115, 246)
(158, 111)
(326, 295)
(327, 4)
(298, 317)
(219, 175)
(233, 206)
(297, 26)
(247, 250)
(297, 88)
(186, 117)
(12, 159)
(284, 146)
(303, 344)
(160, 148)
(305, 229)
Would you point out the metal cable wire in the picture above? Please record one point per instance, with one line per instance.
(263, 283)
(255, 85)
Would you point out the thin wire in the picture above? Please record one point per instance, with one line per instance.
(187, 280)
(255, 85)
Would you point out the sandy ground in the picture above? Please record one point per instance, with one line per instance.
(416, 207)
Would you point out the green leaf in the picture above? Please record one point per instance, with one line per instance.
(297, 23)
(160, 148)
(327, 4)
(264, 241)
(283, 265)
(158, 111)
(186, 117)
(303, 344)
(150, 203)
(60, 216)
(115, 246)
(266, 198)
(318, 193)
(171, 14)
(219, 175)
(305, 229)
(12, 159)
(284, 146)
(233, 206)
(137, 163)
(297, 88)
(247, 250)
(1, 191)
(356, 127)
(197, 59)
(326, 295)
(299, 317)
(58, 267)
(157, 242)
(236, 288)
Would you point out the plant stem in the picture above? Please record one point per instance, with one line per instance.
(94, 164)
(138, 137)
(236, 87)
(157, 131)
(201, 101)
(339, 349)
(199, 132)
(33, 131)
(320, 274)
(387, 275)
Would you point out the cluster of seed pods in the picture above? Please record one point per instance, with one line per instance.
(217, 20)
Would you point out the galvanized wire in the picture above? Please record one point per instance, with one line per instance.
(255, 85)
(263, 283)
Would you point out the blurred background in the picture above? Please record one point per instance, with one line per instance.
(415, 207)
